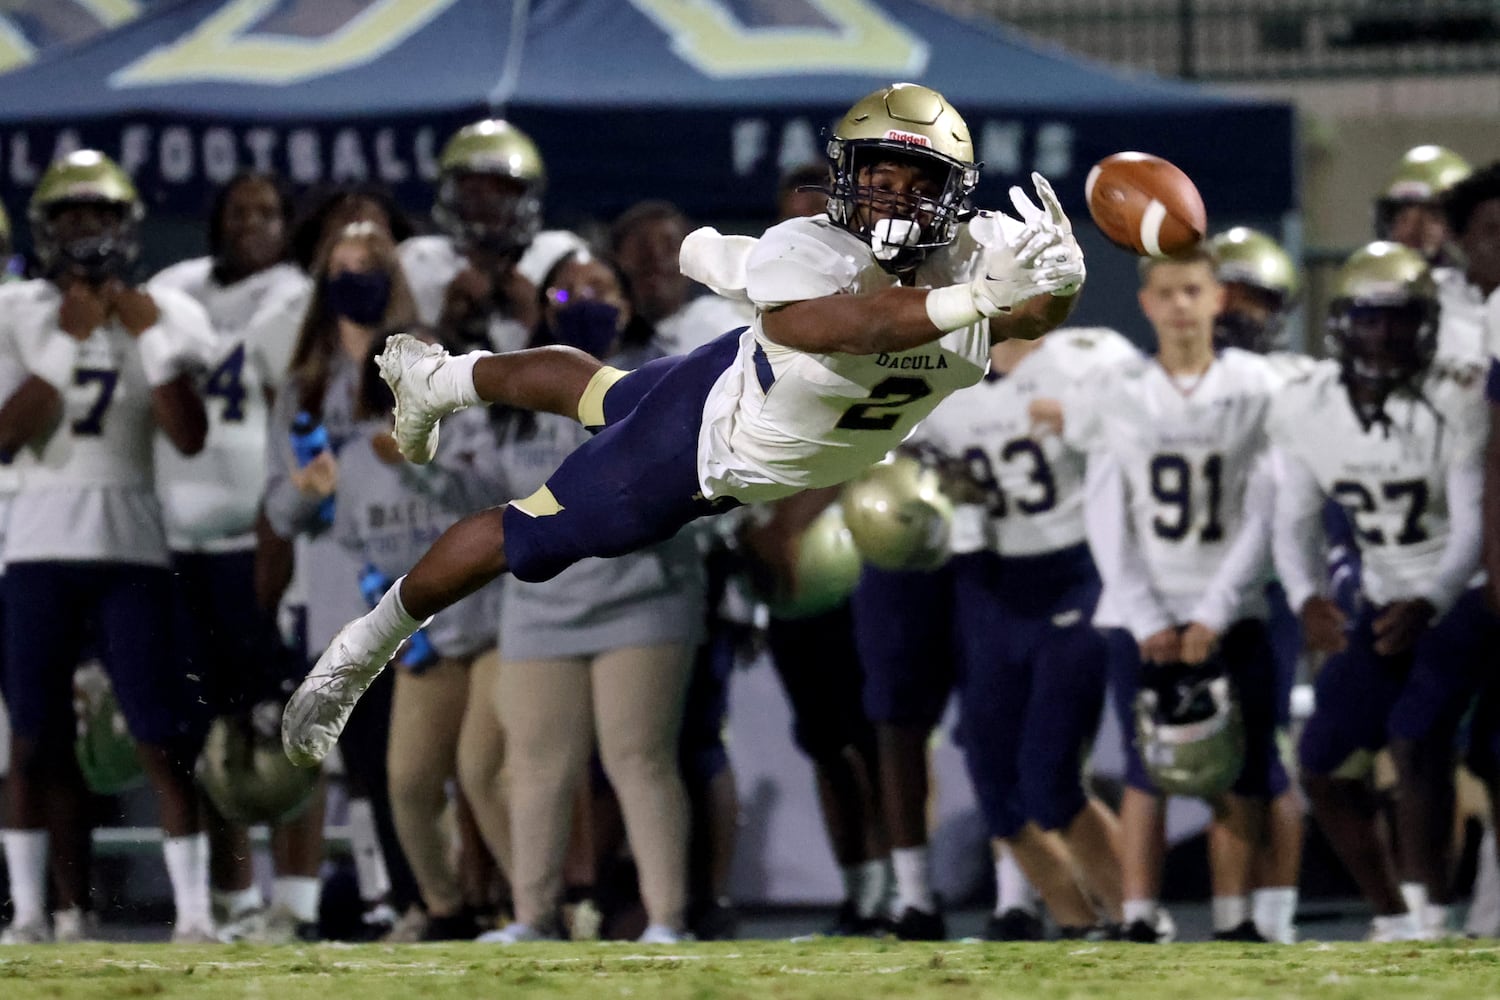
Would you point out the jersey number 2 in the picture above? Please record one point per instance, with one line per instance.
(882, 409)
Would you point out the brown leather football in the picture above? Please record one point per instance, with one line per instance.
(1145, 205)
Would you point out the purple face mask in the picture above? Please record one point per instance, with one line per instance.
(587, 324)
(358, 296)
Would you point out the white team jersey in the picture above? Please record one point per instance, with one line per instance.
(1461, 320)
(1185, 452)
(1034, 480)
(90, 495)
(210, 500)
(703, 319)
(1393, 481)
(431, 262)
(780, 420)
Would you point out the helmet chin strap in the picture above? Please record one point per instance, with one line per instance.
(888, 237)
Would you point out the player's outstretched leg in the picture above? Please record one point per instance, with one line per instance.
(429, 383)
(464, 558)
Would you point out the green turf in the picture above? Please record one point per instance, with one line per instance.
(864, 970)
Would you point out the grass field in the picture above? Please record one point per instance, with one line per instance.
(864, 970)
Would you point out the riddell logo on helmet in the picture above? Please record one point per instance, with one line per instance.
(911, 137)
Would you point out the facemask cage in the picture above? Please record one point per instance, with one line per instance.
(508, 231)
(1381, 350)
(938, 218)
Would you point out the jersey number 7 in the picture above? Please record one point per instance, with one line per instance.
(91, 424)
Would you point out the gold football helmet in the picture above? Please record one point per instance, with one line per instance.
(1262, 283)
(910, 124)
(827, 569)
(899, 516)
(94, 245)
(1382, 325)
(1409, 209)
(503, 212)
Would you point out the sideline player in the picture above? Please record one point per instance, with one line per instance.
(865, 320)
(1182, 552)
(1396, 441)
(109, 363)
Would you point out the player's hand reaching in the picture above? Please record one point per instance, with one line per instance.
(1047, 242)
(1324, 626)
(1042, 258)
(318, 478)
(1400, 623)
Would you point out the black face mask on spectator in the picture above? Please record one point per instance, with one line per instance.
(358, 296)
(589, 325)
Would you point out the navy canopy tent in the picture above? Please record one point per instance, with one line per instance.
(704, 102)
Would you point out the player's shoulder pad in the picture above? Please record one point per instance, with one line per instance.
(803, 258)
(193, 272)
(426, 252)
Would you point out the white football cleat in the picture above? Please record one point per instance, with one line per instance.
(74, 925)
(514, 933)
(31, 932)
(318, 710)
(195, 932)
(661, 934)
(408, 366)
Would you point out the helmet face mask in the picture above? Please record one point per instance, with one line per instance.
(1409, 210)
(1382, 350)
(489, 196)
(1382, 326)
(1253, 319)
(903, 174)
(85, 217)
(1260, 285)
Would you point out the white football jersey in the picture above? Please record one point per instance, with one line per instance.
(430, 263)
(210, 500)
(1461, 320)
(703, 319)
(1032, 477)
(780, 420)
(90, 495)
(1396, 482)
(1185, 450)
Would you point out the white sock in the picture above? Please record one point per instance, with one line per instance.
(1229, 912)
(1276, 913)
(299, 895)
(187, 868)
(1415, 894)
(454, 379)
(913, 888)
(1484, 909)
(874, 887)
(1012, 889)
(235, 903)
(388, 625)
(26, 860)
(1435, 919)
(369, 862)
(1140, 909)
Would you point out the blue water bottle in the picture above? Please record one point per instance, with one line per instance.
(310, 439)
(418, 654)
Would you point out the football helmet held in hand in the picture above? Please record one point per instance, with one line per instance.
(1188, 729)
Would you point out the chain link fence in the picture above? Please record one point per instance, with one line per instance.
(1234, 40)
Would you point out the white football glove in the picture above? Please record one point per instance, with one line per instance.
(1047, 243)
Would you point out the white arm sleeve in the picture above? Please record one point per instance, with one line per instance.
(1461, 555)
(1297, 541)
(1116, 554)
(1248, 557)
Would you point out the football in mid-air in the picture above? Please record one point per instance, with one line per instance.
(1145, 205)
